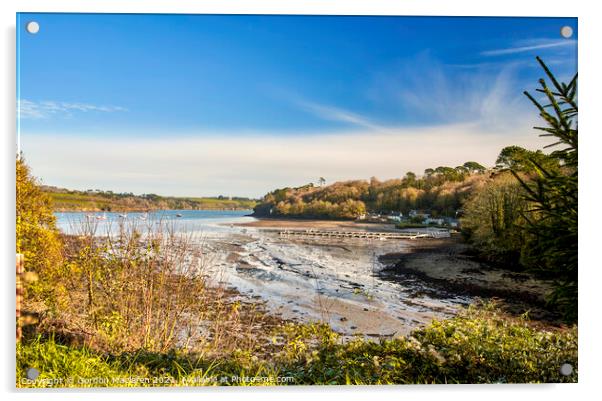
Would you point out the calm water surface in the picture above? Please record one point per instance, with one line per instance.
(205, 221)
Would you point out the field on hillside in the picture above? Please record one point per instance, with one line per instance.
(107, 201)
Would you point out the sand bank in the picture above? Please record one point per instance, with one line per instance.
(316, 224)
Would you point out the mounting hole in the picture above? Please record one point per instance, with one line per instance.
(566, 369)
(566, 31)
(32, 373)
(32, 27)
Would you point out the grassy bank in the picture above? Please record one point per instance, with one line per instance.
(481, 345)
(63, 200)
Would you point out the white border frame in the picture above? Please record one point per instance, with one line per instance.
(590, 24)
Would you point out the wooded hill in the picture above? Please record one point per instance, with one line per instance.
(441, 191)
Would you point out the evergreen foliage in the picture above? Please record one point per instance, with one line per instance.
(552, 218)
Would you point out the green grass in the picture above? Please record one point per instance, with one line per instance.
(81, 201)
(63, 366)
(479, 346)
(216, 203)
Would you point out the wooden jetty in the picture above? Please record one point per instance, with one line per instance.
(377, 235)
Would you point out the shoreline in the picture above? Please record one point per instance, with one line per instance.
(447, 266)
(281, 223)
(144, 210)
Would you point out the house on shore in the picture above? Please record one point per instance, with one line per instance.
(395, 217)
(434, 220)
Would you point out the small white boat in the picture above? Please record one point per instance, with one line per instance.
(179, 215)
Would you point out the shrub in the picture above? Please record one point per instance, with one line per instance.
(142, 286)
(37, 237)
(493, 219)
(481, 345)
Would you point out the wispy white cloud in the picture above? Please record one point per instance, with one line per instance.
(535, 45)
(338, 114)
(44, 109)
(430, 95)
(486, 96)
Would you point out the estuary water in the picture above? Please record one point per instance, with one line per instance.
(207, 222)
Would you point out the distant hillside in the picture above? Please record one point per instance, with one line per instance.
(93, 201)
(441, 192)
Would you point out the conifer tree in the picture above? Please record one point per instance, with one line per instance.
(552, 218)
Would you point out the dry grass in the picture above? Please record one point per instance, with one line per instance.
(143, 285)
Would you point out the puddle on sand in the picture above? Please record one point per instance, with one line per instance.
(330, 280)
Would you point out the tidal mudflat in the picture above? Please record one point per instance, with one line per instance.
(336, 281)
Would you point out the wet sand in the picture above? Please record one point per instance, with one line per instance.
(317, 224)
(448, 267)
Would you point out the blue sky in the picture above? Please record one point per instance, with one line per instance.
(154, 103)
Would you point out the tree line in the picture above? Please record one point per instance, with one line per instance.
(440, 190)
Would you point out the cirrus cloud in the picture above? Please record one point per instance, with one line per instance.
(28, 109)
(530, 46)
